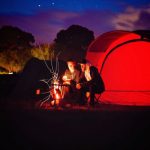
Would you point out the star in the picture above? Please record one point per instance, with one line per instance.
(53, 3)
(39, 5)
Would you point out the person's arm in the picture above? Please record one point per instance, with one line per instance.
(66, 78)
(94, 78)
(77, 76)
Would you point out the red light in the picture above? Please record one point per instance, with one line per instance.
(38, 91)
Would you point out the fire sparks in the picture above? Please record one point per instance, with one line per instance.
(54, 89)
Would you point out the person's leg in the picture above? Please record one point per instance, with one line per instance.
(81, 96)
(92, 95)
(65, 95)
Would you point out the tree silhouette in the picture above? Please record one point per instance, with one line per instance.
(73, 42)
(145, 34)
(13, 38)
(15, 48)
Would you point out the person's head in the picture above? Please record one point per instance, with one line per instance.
(84, 64)
(83, 67)
(71, 65)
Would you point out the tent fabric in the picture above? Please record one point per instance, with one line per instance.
(105, 42)
(123, 62)
(30, 79)
(106, 39)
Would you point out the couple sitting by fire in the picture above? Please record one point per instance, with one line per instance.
(82, 83)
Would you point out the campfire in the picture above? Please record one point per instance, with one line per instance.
(56, 93)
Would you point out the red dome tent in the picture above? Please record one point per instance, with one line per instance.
(123, 59)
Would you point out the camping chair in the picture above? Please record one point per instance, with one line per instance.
(96, 97)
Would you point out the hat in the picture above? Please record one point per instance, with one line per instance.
(71, 60)
(83, 61)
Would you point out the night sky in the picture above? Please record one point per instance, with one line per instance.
(44, 18)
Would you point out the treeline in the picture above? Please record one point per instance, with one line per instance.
(18, 46)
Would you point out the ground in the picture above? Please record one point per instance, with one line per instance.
(79, 127)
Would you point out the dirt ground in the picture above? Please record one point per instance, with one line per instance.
(24, 126)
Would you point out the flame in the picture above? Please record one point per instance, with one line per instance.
(53, 102)
(57, 94)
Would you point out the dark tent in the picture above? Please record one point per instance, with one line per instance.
(29, 80)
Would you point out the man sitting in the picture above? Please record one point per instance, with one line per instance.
(70, 79)
(90, 81)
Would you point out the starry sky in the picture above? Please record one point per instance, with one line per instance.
(45, 18)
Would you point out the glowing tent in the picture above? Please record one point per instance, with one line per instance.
(123, 59)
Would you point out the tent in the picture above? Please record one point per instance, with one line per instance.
(30, 79)
(123, 59)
